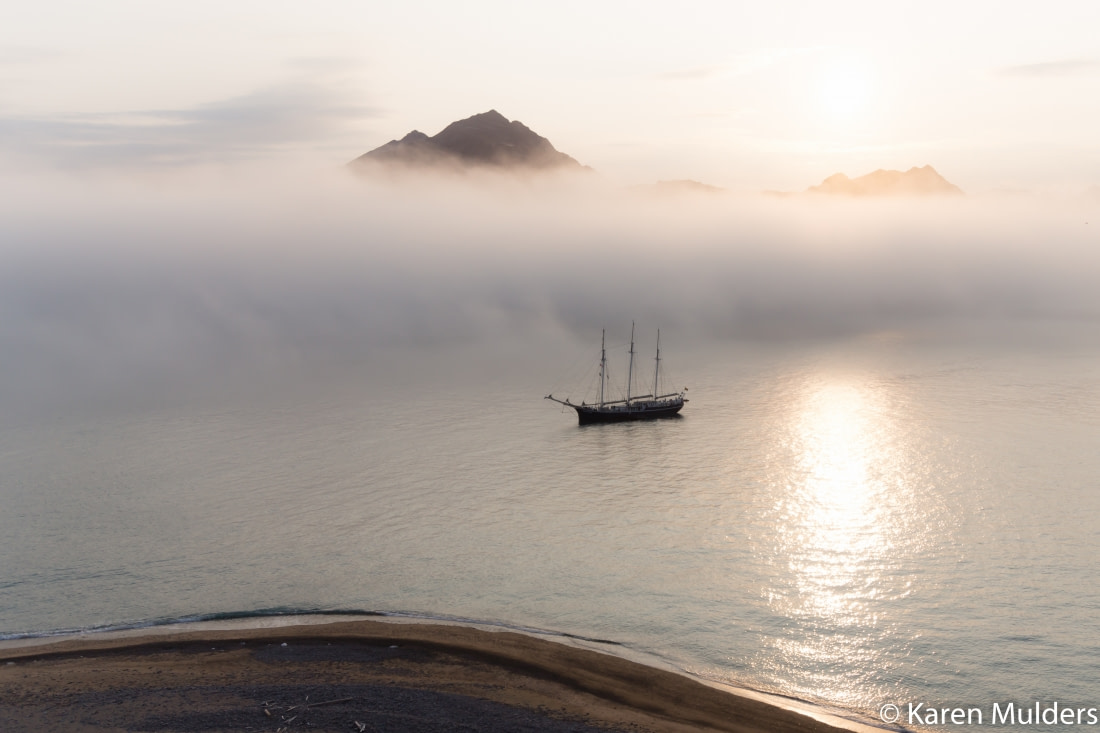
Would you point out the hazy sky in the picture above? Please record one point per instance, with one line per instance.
(994, 94)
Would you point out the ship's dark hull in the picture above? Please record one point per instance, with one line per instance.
(587, 414)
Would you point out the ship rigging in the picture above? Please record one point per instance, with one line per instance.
(633, 407)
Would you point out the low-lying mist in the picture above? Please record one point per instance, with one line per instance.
(111, 284)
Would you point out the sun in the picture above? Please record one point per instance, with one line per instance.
(844, 88)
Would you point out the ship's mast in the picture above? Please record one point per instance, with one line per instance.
(603, 363)
(657, 369)
(630, 369)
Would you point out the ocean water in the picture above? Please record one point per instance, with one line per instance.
(853, 523)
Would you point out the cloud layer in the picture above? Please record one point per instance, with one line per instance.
(259, 124)
(1064, 67)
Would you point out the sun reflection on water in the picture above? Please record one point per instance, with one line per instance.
(844, 488)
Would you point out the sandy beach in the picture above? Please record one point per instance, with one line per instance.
(358, 675)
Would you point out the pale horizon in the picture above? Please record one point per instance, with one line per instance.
(743, 97)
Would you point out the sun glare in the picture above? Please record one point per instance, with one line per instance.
(845, 89)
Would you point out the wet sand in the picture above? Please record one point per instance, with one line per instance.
(359, 676)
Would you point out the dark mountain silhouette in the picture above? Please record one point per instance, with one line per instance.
(915, 181)
(485, 140)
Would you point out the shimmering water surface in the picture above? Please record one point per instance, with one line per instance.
(855, 524)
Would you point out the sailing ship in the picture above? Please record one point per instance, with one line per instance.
(633, 407)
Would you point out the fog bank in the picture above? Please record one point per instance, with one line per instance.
(122, 282)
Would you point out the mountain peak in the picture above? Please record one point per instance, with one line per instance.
(490, 115)
(485, 139)
(915, 181)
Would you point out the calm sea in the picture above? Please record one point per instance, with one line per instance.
(876, 521)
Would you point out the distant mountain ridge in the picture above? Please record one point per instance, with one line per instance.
(683, 186)
(491, 141)
(488, 139)
(915, 181)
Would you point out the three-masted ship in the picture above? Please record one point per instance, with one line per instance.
(633, 407)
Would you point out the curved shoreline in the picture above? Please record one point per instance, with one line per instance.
(555, 679)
